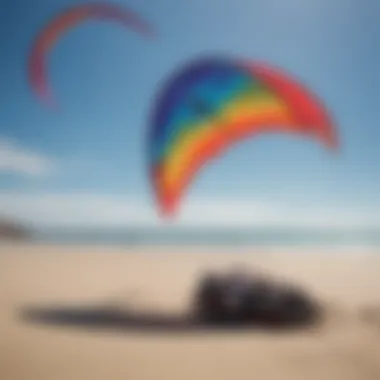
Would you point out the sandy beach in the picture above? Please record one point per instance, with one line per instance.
(345, 347)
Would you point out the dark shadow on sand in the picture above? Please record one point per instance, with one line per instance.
(106, 318)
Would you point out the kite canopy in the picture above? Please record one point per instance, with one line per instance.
(213, 103)
(65, 20)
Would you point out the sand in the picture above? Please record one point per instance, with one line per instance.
(345, 347)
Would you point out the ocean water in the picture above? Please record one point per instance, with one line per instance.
(228, 237)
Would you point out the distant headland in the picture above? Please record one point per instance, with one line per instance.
(11, 230)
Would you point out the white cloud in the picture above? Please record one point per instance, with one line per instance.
(75, 210)
(17, 159)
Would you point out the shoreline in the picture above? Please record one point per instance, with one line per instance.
(323, 248)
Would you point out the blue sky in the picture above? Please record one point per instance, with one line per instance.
(90, 153)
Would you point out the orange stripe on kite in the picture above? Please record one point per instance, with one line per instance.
(169, 196)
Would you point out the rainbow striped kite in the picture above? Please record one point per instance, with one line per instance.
(214, 102)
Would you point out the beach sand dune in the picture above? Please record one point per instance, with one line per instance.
(63, 280)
